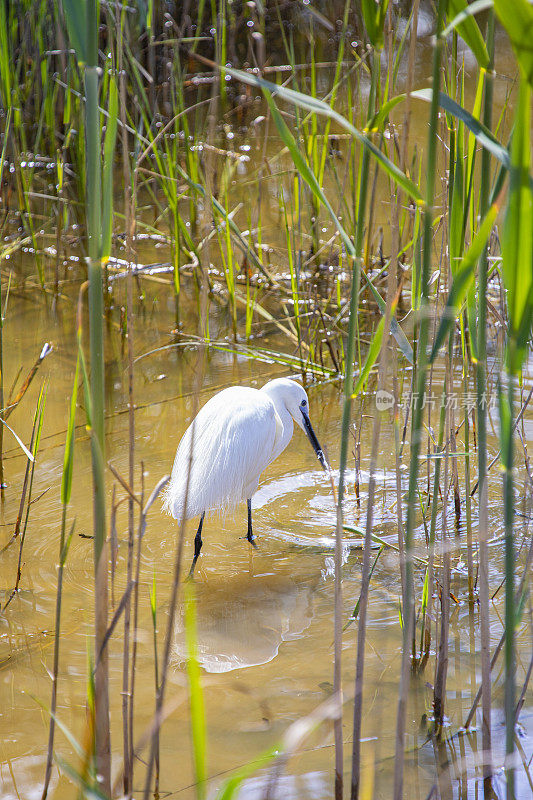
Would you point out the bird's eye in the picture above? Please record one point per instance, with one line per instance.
(303, 403)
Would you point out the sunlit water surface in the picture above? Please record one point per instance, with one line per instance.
(264, 618)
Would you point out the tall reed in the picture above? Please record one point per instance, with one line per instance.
(517, 241)
(374, 17)
(64, 543)
(83, 23)
(182, 188)
(481, 387)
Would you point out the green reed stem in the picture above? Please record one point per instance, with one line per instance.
(468, 499)
(96, 336)
(345, 432)
(196, 698)
(153, 611)
(510, 608)
(2, 162)
(417, 429)
(425, 635)
(66, 489)
(96, 308)
(353, 325)
(481, 390)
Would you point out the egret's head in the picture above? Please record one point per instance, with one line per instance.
(294, 398)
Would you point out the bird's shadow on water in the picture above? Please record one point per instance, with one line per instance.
(243, 619)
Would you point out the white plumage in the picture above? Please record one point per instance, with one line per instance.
(236, 434)
(233, 438)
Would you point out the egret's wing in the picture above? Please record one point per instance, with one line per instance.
(231, 442)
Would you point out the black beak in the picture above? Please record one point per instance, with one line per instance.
(314, 441)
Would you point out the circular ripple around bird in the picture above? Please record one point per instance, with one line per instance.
(299, 508)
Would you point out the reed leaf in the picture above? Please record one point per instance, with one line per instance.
(458, 200)
(468, 29)
(305, 170)
(468, 11)
(480, 131)
(5, 64)
(308, 175)
(377, 121)
(86, 385)
(76, 18)
(153, 600)
(87, 787)
(371, 357)
(374, 14)
(462, 281)
(517, 240)
(66, 545)
(517, 19)
(395, 329)
(314, 105)
(20, 443)
(68, 459)
(107, 172)
(231, 786)
(506, 428)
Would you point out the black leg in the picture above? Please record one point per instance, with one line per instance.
(250, 534)
(197, 545)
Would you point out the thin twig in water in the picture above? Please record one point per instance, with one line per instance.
(12, 404)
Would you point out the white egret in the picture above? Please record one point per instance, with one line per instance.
(238, 433)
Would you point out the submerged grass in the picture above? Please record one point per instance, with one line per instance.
(297, 247)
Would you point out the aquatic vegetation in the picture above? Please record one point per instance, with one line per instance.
(323, 190)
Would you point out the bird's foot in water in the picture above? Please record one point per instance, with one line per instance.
(250, 538)
(190, 574)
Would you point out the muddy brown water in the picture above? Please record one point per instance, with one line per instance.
(264, 618)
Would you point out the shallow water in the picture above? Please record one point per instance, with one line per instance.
(264, 617)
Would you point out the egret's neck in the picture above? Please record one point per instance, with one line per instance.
(286, 424)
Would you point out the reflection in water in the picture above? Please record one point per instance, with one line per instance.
(242, 622)
(458, 759)
(304, 502)
(311, 785)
